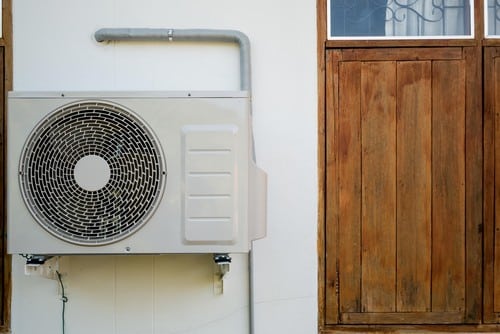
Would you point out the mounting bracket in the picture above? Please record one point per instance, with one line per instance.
(222, 261)
(41, 265)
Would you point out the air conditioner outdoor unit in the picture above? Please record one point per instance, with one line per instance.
(132, 172)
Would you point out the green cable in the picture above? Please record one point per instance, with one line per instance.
(64, 301)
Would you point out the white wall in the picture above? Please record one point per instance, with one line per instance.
(54, 50)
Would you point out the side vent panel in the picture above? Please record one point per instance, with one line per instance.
(210, 169)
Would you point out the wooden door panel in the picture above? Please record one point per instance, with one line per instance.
(496, 233)
(414, 129)
(396, 188)
(349, 181)
(378, 179)
(448, 190)
(492, 186)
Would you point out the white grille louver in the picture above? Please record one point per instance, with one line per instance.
(81, 205)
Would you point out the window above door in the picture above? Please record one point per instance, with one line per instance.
(404, 19)
(492, 18)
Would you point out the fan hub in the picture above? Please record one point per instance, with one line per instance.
(92, 172)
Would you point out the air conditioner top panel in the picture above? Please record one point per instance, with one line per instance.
(129, 94)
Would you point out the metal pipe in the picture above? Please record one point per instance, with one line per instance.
(190, 35)
(251, 294)
(197, 35)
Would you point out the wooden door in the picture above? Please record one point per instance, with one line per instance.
(492, 185)
(403, 186)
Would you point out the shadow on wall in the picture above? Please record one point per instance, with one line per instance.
(149, 292)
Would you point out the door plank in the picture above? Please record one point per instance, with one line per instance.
(403, 318)
(491, 86)
(496, 232)
(473, 181)
(496, 273)
(349, 187)
(331, 197)
(378, 124)
(448, 190)
(414, 186)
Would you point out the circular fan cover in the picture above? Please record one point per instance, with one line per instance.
(92, 173)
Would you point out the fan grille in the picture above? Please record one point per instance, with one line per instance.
(130, 193)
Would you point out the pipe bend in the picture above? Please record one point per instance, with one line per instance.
(193, 35)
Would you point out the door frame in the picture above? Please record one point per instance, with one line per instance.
(7, 84)
(476, 46)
